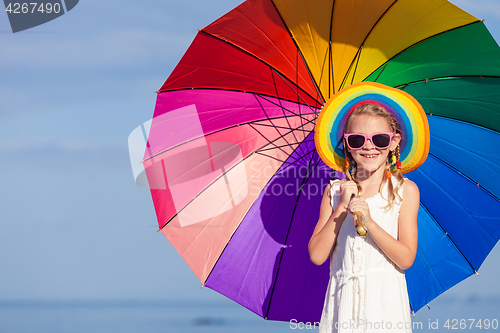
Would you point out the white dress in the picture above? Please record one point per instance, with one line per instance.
(367, 291)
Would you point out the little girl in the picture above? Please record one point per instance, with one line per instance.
(367, 289)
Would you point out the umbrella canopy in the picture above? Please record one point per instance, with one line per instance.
(231, 162)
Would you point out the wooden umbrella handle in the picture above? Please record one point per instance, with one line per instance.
(360, 227)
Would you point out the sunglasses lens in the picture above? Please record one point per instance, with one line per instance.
(381, 140)
(356, 141)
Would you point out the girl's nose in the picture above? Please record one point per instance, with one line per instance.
(368, 144)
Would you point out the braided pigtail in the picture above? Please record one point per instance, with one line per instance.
(393, 167)
(397, 173)
(351, 169)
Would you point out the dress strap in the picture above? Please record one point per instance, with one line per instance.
(334, 192)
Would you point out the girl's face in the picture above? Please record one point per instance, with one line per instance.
(370, 158)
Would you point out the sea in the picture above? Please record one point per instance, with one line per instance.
(471, 314)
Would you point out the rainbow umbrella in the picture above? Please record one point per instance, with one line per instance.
(231, 163)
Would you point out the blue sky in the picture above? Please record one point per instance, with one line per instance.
(73, 224)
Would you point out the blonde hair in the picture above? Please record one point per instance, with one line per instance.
(376, 110)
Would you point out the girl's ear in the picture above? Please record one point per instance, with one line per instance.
(396, 139)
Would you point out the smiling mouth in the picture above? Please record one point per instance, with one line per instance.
(370, 156)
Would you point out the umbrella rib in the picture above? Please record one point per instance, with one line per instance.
(264, 187)
(313, 45)
(298, 95)
(342, 85)
(237, 110)
(448, 237)
(312, 172)
(213, 182)
(446, 193)
(281, 135)
(272, 142)
(256, 151)
(274, 158)
(231, 237)
(285, 128)
(420, 41)
(222, 89)
(329, 57)
(241, 77)
(304, 140)
(483, 128)
(318, 91)
(256, 122)
(297, 143)
(446, 233)
(357, 62)
(296, 82)
(281, 107)
(266, 125)
(262, 61)
(451, 240)
(290, 111)
(362, 43)
(290, 164)
(287, 234)
(465, 176)
(214, 132)
(234, 231)
(322, 70)
(331, 79)
(267, 37)
(441, 78)
(383, 69)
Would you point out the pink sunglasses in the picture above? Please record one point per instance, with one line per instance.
(379, 140)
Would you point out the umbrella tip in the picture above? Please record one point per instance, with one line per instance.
(265, 319)
(476, 272)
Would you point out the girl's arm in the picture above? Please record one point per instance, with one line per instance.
(402, 252)
(325, 233)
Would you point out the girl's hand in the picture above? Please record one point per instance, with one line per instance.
(347, 189)
(360, 205)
